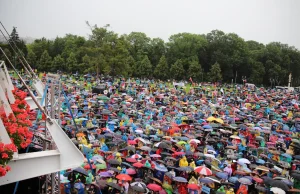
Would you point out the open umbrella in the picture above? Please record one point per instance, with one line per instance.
(279, 184)
(81, 171)
(277, 190)
(203, 170)
(124, 177)
(245, 181)
(114, 185)
(180, 179)
(154, 187)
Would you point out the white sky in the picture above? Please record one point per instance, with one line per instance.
(260, 20)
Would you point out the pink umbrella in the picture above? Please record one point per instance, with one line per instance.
(154, 187)
(132, 142)
(155, 156)
(130, 171)
(131, 160)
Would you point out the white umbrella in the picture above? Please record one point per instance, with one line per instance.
(276, 190)
(244, 161)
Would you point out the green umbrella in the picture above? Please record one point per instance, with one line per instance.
(100, 166)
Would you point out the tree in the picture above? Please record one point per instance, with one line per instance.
(31, 59)
(258, 72)
(145, 67)
(71, 62)
(195, 71)
(177, 71)
(45, 62)
(162, 69)
(215, 73)
(58, 64)
(15, 40)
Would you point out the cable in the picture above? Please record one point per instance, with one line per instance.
(20, 53)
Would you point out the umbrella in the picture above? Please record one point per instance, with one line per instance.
(161, 168)
(180, 179)
(114, 185)
(105, 174)
(113, 161)
(263, 168)
(114, 169)
(203, 170)
(132, 148)
(206, 180)
(124, 177)
(81, 171)
(245, 181)
(131, 160)
(244, 161)
(233, 179)
(145, 148)
(277, 190)
(138, 165)
(222, 175)
(139, 189)
(193, 186)
(154, 187)
(130, 171)
(279, 184)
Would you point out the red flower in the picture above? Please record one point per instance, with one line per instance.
(7, 168)
(2, 171)
(4, 155)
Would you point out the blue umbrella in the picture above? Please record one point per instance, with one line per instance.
(207, 127)
(222, 175)
(81, 171)
(206, 180)
(161, 168)
(286, 155)
(184, 138)
(260, 161)
(180, 179)
(233, 179)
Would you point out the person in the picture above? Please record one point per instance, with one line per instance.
(79, 186)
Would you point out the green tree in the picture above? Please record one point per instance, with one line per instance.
(71, 62)
(162, 69)
(58, 64)
(145, 67)
(258, 72)
(31, 59)
(177, 70)
(215, 73)
(195, 71)
(45, 62)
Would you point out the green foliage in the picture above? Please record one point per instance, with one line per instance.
(162, 69)
(145, 68)
(215, 73)
(58, 64)
(191, 55)
(195, 71)
(71, 63)
(45, 62)
(177, 71)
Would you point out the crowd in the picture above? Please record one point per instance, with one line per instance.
(145, 136)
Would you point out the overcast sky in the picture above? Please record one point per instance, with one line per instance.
(260, 20)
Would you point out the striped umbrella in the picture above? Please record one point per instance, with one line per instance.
(203, 170)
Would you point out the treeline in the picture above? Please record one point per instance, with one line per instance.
(216, 56)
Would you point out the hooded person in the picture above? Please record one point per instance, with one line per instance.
(183, 162)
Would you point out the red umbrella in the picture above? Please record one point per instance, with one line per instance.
(154, 187)
(124, 177)
(130, 171)
(87, 166)
(138, 165)
(258, 180)
(203, 170)
(179, 153)
(131, 160)
(193, 186)
(132, 142)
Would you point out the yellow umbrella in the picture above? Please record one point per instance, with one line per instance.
(219, 120)
(210, 119)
